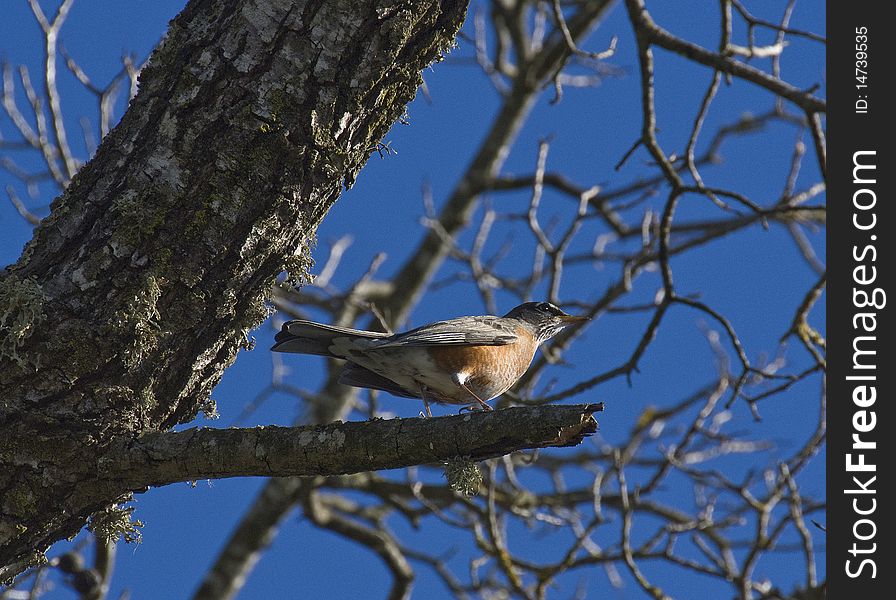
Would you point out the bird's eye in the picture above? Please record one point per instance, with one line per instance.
(549, 308)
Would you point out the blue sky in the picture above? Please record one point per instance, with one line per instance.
(755, 277)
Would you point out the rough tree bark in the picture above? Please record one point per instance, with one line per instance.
(141, 286)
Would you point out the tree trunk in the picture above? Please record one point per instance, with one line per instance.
(140, 287)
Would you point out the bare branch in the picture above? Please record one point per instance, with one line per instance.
(659, 36)
(161, 458)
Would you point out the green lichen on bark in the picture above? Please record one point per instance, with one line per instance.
(139, 215)
(20, 501)
(115, 522)
(21, 313)
(463, 475)
(298, 266)
(209, 408)
(138, 321)
(35, 559)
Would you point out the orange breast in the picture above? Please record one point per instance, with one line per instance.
(490, 370)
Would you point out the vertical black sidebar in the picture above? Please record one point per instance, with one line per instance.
(861, 475)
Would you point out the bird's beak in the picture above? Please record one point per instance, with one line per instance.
(570, 319)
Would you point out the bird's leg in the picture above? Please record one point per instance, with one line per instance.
(478, 399)
(425, 401)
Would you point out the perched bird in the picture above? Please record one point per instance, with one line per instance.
(467, 360)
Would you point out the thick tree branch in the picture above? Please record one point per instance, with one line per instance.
(162, 458)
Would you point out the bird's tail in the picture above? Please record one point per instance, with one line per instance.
(308, 337)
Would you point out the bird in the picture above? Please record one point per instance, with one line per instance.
(462, 361)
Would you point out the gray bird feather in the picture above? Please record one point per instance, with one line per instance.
(308, 337)
(358, 376)
(463, 331)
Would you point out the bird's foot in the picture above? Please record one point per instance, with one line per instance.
(475, 407)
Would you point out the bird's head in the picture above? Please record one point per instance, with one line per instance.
(545, 319)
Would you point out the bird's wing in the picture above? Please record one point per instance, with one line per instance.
(357, 376)
(464, 331)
